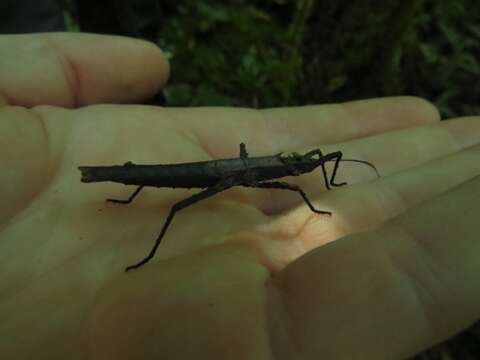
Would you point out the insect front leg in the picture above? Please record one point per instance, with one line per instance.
(287, 186)
(129, 200)
(335, 168)
(309, 155)
(175, 208)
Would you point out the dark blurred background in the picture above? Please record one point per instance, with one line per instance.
(268, 53)
(288, 52)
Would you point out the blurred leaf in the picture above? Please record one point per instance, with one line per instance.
(208, 95)
(336, 83)
(178, 94)
(263, 54)
(475, 29)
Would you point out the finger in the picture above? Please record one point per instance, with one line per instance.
(391, 153)
(73, 69)
(396, 151)
(390, 196)
(387, 293)
(334, 123)
(284, 129)
(199, 128)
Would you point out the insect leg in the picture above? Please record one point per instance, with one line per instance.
(314, 152)
(322, 165)
(287, 186)
(129, 200)
(335, 168)
(248, 175)
(243, 151)
(182, 204)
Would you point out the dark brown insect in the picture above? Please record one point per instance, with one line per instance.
(217, 176)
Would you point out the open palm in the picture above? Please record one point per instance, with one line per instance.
(246, 274)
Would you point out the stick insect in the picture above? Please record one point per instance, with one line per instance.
(215, 176)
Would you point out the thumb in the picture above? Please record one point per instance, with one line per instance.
(75, 69)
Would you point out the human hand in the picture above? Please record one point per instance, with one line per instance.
(248, 273)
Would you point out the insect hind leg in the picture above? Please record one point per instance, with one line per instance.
(286, 186)
(182, 204)
(334, 173)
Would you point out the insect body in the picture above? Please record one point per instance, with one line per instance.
(216, 176)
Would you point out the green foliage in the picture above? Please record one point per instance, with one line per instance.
(426, 48)
(277, 53)
(292, 52)
(229, 53)
(446, 56)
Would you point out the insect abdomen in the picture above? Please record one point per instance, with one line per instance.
(188, 175)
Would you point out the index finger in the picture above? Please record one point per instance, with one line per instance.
(270, 131)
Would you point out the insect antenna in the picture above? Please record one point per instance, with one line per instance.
(362, 162)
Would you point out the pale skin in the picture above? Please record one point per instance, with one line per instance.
(247, 274)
